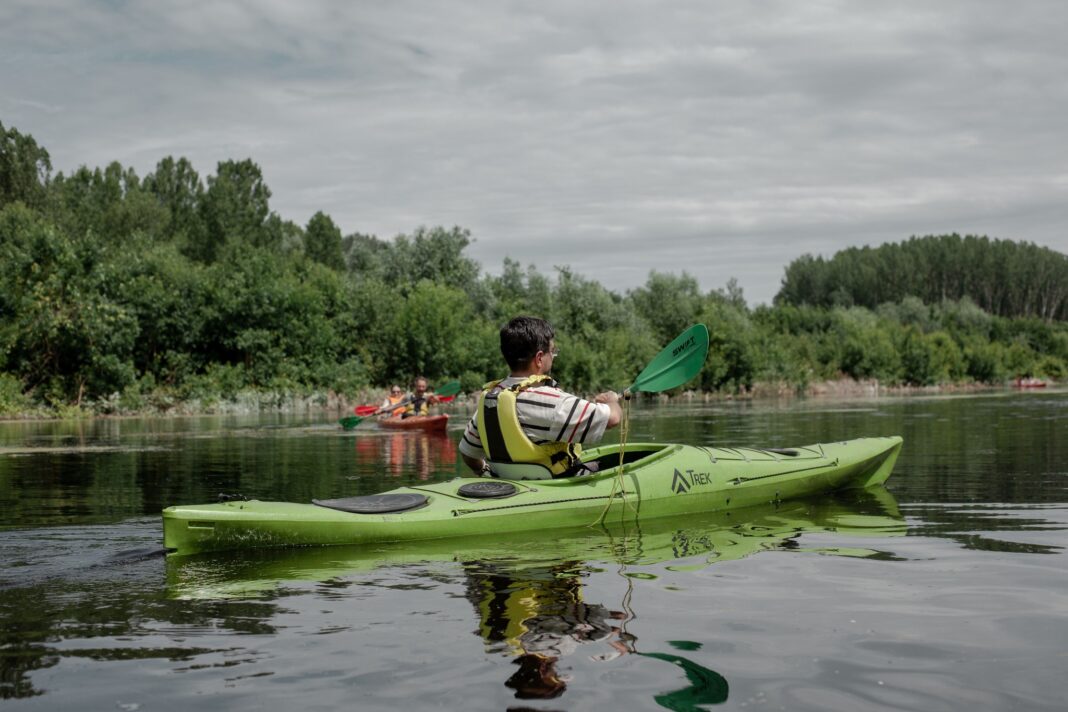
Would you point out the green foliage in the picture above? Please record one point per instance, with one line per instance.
(1011, 279)
(984, 362)
(322, 242)
(108, 204)
(120, 294)
(235, 211)
(434, 254)
(12, 398)
(24, 169)
(732, 360)
(65, 334)
(668, 303)
(516, 291)
(928, 359)
(1052, 367)
(177, 188)
(1020, 359)
(918, 362)
(421, 338)
(870, 354)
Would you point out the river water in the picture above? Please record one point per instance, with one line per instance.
(947, 590)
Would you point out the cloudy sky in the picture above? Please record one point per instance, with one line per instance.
(720, 138)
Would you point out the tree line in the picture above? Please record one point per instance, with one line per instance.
(121, 292)
(1002, 277)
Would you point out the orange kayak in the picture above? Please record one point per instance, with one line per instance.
(416, 422)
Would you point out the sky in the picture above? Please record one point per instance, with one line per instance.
(723, 139)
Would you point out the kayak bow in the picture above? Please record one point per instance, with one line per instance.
(657, 480)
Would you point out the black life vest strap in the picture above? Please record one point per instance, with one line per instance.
(493, 438)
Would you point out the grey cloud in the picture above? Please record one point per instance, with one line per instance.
(720, 138)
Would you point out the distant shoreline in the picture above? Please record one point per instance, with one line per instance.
(339, 405)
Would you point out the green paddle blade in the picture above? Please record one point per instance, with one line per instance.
(350, 422)
(680, 361)
(448, 389)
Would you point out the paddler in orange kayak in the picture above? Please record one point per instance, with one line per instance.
(420, 399)
(396, 395)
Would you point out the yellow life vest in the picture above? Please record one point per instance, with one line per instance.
(505, 442)
(508, 606)
(421, 407)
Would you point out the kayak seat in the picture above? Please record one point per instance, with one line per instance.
(520, 471)
(375, 503)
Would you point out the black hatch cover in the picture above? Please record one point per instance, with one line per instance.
(375, 503)
(487, 490)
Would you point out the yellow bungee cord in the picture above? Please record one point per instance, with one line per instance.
(617, 483)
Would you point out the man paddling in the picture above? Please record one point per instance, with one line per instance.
(526, 427)
(419, 399)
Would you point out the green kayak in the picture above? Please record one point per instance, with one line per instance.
(655, 480)
(688, 542)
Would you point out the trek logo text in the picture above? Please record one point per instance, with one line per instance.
(681, 483)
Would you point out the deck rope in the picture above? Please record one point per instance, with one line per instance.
(617, 482)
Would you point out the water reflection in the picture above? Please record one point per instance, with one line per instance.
(70, 594)
(975, 526)
(395, 454)
(539, 616)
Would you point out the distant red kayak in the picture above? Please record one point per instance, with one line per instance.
(1030, 383)
(416, 422)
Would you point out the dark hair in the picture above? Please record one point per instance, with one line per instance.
(523, 337)
(536, 678)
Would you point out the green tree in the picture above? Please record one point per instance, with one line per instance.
(983, 362)
(62, 334)
(426, 336)
(24, 169)
(108, 203)
(668, 303)
(732, 358)
(322, 242)
(1013, 279)
(434, 254)
(235, 211)
(177, 187)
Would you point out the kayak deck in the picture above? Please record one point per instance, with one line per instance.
(655, 480)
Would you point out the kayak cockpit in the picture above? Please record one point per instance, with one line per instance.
(595, 461)
(607, 458)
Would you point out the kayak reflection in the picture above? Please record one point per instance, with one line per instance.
(414, 451)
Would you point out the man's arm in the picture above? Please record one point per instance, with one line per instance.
(615, 414)
(477, 465)
(471, 447)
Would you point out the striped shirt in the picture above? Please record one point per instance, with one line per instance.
(546, 414)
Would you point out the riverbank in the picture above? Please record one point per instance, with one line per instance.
(248, 402)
